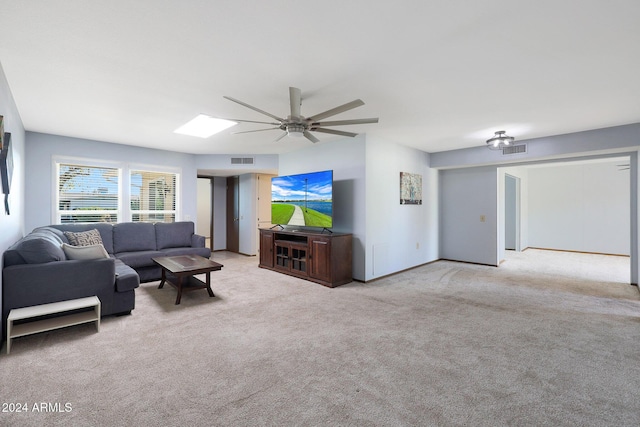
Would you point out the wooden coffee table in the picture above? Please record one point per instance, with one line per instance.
(179, 270)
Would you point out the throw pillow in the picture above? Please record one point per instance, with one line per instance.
(84, 238)
(84, 252)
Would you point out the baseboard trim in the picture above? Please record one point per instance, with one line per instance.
(577, 252)
(402, 271)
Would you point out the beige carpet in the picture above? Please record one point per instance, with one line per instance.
(548, 338)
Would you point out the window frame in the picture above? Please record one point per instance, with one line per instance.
(124, 213)
(137, 167)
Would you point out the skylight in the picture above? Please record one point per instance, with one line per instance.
(204, 126)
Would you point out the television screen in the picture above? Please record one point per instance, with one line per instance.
(303, 200)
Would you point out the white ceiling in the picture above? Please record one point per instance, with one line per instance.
(440, 75)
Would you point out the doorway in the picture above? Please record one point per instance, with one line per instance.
(233, 214)
(204, 223)
(512, 213)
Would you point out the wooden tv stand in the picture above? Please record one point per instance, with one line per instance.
(318, 257)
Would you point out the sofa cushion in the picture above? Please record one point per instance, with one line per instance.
(133, 236)
(84, 252)
(84, 238)
(59, 235)
(139, 259)
(173, 234)
(126, 277)
(38, 249)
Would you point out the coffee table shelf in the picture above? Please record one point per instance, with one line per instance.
(36, 326)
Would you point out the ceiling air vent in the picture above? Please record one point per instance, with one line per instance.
(515, 149)
(242, 160)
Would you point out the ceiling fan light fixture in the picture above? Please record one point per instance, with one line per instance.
(203, 126)
(500, 140)
(295, 130)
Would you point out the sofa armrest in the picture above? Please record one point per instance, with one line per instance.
(197, 241)
(32, 284)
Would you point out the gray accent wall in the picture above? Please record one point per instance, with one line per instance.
(42, 148)
(469, 215)
(12, 226)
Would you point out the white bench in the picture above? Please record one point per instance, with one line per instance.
(33, 327)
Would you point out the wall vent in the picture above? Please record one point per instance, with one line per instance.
(515, 149)
(242, 160)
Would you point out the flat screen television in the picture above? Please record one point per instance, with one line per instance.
(303, 200)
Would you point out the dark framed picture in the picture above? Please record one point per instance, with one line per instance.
(1, 132)
(6, 163)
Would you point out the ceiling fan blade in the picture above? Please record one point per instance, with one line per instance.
(310, 137)
(249, 131)
(346, 122)
(337, 110)
(244, 104)
(280, 137)
(334, 132)
(295, 99)
(253, 121)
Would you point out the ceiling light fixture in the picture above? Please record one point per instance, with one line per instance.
(204, 126)
(499, 141)
(295, 130)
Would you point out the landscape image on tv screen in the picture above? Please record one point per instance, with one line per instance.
(303, 200)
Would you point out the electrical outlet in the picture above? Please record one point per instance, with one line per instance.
(483, 218)
(417, 245)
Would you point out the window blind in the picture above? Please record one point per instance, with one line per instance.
(87, 193)
(153, 196)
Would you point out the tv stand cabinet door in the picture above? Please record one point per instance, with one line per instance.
(266, 248)
(320, 262)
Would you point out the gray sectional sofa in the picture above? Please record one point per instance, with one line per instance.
(43, 267)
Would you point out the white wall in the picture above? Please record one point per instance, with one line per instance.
(388, 237)
(580, 207)
(465, 196)
(346, 157)
(12, 226)
(220, 164)
(41, 148)
(398, 236)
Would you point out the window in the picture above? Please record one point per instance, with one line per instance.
(86, 192)
(153, 196)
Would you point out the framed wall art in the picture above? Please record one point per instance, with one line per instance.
(410, 188)
(6, 169)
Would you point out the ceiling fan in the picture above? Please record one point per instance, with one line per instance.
(297, 125)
